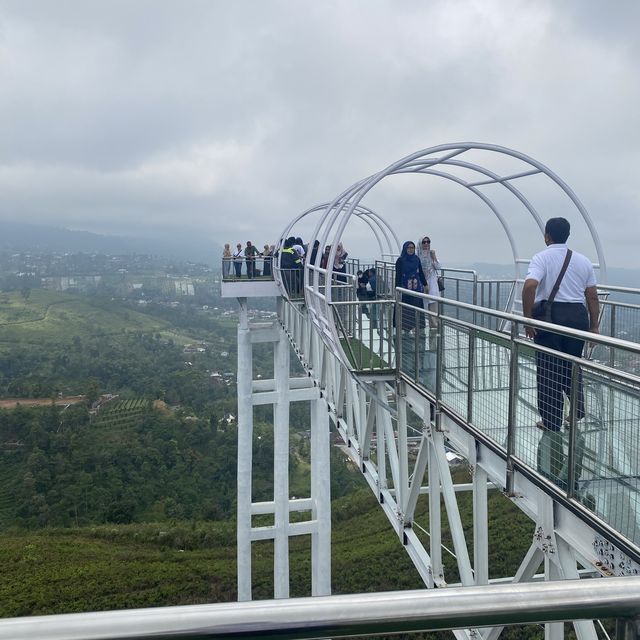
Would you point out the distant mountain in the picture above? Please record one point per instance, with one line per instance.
(615, 275)
(15, 236)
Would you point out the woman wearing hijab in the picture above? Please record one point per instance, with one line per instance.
(409, 275)
(267, 257)
(340, 262)
(324, 258)
(430, 266)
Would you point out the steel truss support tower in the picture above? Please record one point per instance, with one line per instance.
(280, 392)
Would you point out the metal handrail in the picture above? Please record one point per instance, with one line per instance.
(349, 615)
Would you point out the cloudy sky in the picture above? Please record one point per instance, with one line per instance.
(224, 119)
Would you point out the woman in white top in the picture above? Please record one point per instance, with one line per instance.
(238, 257)
(430, 266)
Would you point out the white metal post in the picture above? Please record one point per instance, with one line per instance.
(245, 453)
(435, 516)
(281, 468)
(480, 526)
(321, 499)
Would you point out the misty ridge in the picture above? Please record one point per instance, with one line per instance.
(17, 236)
(30, 237)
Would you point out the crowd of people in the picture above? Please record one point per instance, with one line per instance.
(293, 253)
(248, 256)
(416, 269)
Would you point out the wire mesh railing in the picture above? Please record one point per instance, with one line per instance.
(574, 422)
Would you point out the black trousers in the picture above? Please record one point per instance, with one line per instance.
(553, 374)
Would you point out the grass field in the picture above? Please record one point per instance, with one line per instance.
(49, 316)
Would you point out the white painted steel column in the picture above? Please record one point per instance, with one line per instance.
(281, 469)
(435, 515)
(403, 455)
(480, 526)
(321, 499)
(453, 513)
(245, 453)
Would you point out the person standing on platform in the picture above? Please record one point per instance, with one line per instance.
(291, 269)
(324, 258)
(430, 266)
(250, 253)
(298, 247)
(371, 294)
(267, 257)
(226, 261)
(409, 275)
(238, 257)
(340, 263)
(575, 304)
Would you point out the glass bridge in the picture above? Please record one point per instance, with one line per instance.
(460, 379)
(474, 365)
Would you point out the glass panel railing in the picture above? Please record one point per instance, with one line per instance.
(293, 282)
(573, 421)
(366, 333)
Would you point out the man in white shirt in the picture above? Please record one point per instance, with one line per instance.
(575, 305)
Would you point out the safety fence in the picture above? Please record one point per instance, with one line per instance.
(574, 421)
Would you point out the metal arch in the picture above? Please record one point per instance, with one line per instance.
(345, 204)
(484, 198)
(541, 169)
(507, 184)
(375, 222)
(318, 303)
(459, 148)
(364, 213)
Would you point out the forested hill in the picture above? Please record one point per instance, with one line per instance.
(59, 343)
(127, 497)
(163, 448)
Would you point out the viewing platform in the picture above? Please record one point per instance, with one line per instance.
(232, 286)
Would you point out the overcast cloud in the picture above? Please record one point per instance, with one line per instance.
(223, 119)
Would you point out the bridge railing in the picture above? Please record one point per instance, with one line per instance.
(362, 614)
(240, 268)
(502, 385)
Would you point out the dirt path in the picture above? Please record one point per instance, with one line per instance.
(12, 403)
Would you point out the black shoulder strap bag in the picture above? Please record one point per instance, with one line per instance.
(542, 309)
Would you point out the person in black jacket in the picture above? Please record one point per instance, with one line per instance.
(291, 268)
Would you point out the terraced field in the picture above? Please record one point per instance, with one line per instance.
(48, 316)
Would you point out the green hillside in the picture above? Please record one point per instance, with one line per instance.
(126, 566)
(59, 344)
(51, 317)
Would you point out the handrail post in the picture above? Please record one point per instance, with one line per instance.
(474, 298)
(511, 421)
(416, 344)
(398, 329)
(612, 332)
(573, 427)
(439, 363)
(470, 370)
